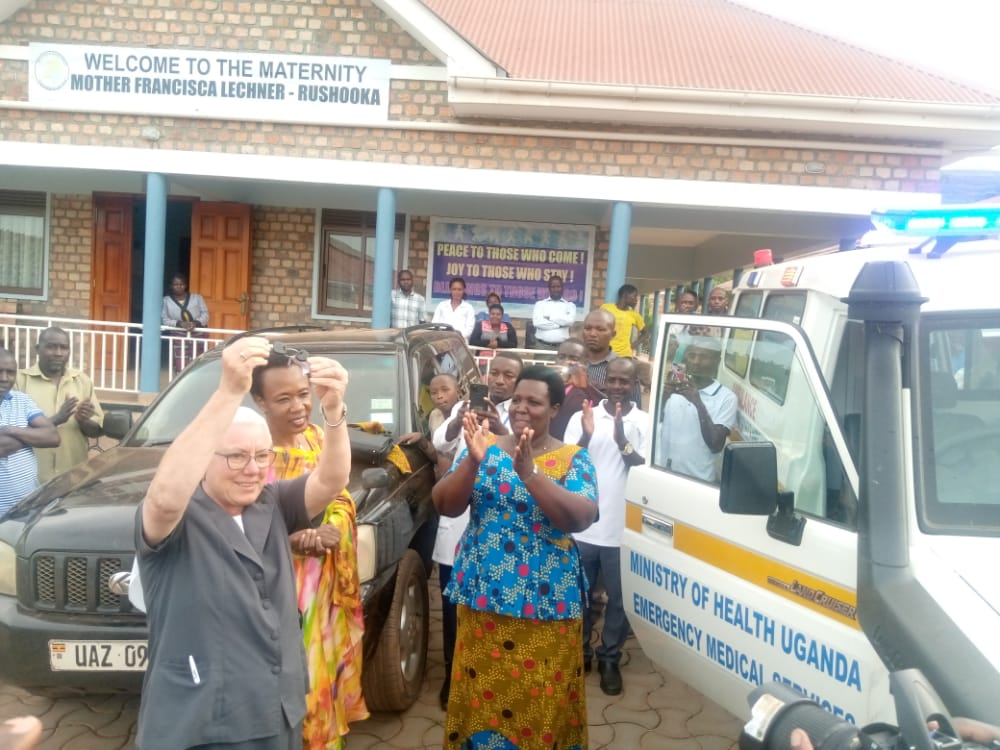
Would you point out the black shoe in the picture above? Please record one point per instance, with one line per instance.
(445, 690)
(611, 677)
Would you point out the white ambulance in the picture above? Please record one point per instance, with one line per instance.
(851, 524)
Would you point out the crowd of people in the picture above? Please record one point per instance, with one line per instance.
(530, 492)
(246, 538)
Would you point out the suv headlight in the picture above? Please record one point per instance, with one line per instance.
(8, 568)
(366, 552)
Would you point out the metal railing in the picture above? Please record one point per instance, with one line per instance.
(484, 356)
(110, 352)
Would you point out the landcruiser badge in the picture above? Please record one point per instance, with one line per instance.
(816, 596)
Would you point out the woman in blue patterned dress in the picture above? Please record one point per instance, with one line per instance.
(517, 673)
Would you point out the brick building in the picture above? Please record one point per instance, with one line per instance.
(291, 156)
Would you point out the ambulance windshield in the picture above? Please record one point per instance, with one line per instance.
(960, 414)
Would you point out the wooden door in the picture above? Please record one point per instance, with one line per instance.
(111, 260)
(111, 276)
(220, 262)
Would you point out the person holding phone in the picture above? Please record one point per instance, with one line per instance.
(489, 402)
(698, 412)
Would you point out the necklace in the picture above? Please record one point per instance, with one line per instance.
(544, 447)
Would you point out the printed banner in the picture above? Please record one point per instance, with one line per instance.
(210, 83)
(515, 260)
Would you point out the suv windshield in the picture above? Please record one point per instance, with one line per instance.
(961, 425)
(372, 395)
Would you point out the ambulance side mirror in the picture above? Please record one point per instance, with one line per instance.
(749, 483)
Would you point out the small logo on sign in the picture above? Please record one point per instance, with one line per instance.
(51, 71)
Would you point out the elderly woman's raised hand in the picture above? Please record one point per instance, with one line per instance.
(476, 436)
(239, 360)
(329, 378)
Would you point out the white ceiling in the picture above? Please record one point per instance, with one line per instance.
(669, 245)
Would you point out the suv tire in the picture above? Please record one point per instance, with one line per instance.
(392, 678)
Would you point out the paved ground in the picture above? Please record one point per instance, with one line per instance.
(655, 711)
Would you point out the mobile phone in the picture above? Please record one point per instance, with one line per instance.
(678, 373)
(478, 393)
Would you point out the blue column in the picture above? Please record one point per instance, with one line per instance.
(152, 284)
(385, 245)
(621, 226)
(654, 335)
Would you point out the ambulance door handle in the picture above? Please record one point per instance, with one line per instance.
(658, 524)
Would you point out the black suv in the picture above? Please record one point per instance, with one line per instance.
(62, 626)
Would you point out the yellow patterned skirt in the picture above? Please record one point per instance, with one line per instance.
(516, 683)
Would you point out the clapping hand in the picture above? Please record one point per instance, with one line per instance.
(587, 418)
(524, 459)
(66, 410)
(84, 411)
(476, 436)
(619, 427)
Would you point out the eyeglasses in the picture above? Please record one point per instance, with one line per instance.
(239, 461)
(295, 356)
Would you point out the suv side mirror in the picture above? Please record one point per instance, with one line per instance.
(117, 423)
(749, 484)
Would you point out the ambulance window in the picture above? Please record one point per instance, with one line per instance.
(681, 443)
(773, 353)
(960, 425)
(847, 386)
(737, 356)
(787, 308)
(748, 305)
(808, 462)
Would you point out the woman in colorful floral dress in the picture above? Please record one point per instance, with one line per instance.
(325, 563)
(517, 674)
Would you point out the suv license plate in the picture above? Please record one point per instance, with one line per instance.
(97, 656)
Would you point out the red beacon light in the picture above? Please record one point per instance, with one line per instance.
(762, 257)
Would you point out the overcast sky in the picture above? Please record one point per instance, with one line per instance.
(956, 37)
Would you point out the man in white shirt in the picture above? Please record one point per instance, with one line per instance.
(698, 413)
(552, 317)
(615, 433)
(448, 439)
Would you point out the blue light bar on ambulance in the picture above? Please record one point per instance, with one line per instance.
(946, 220)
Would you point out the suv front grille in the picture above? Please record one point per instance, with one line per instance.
(78, 583)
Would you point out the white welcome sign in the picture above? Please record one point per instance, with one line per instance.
(211, 84)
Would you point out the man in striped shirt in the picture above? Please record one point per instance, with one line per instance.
(598, 330)
(23, 427)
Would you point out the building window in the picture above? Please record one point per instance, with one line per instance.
(347, 261)
(22, 243)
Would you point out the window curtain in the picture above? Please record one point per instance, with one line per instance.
(22, 253)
